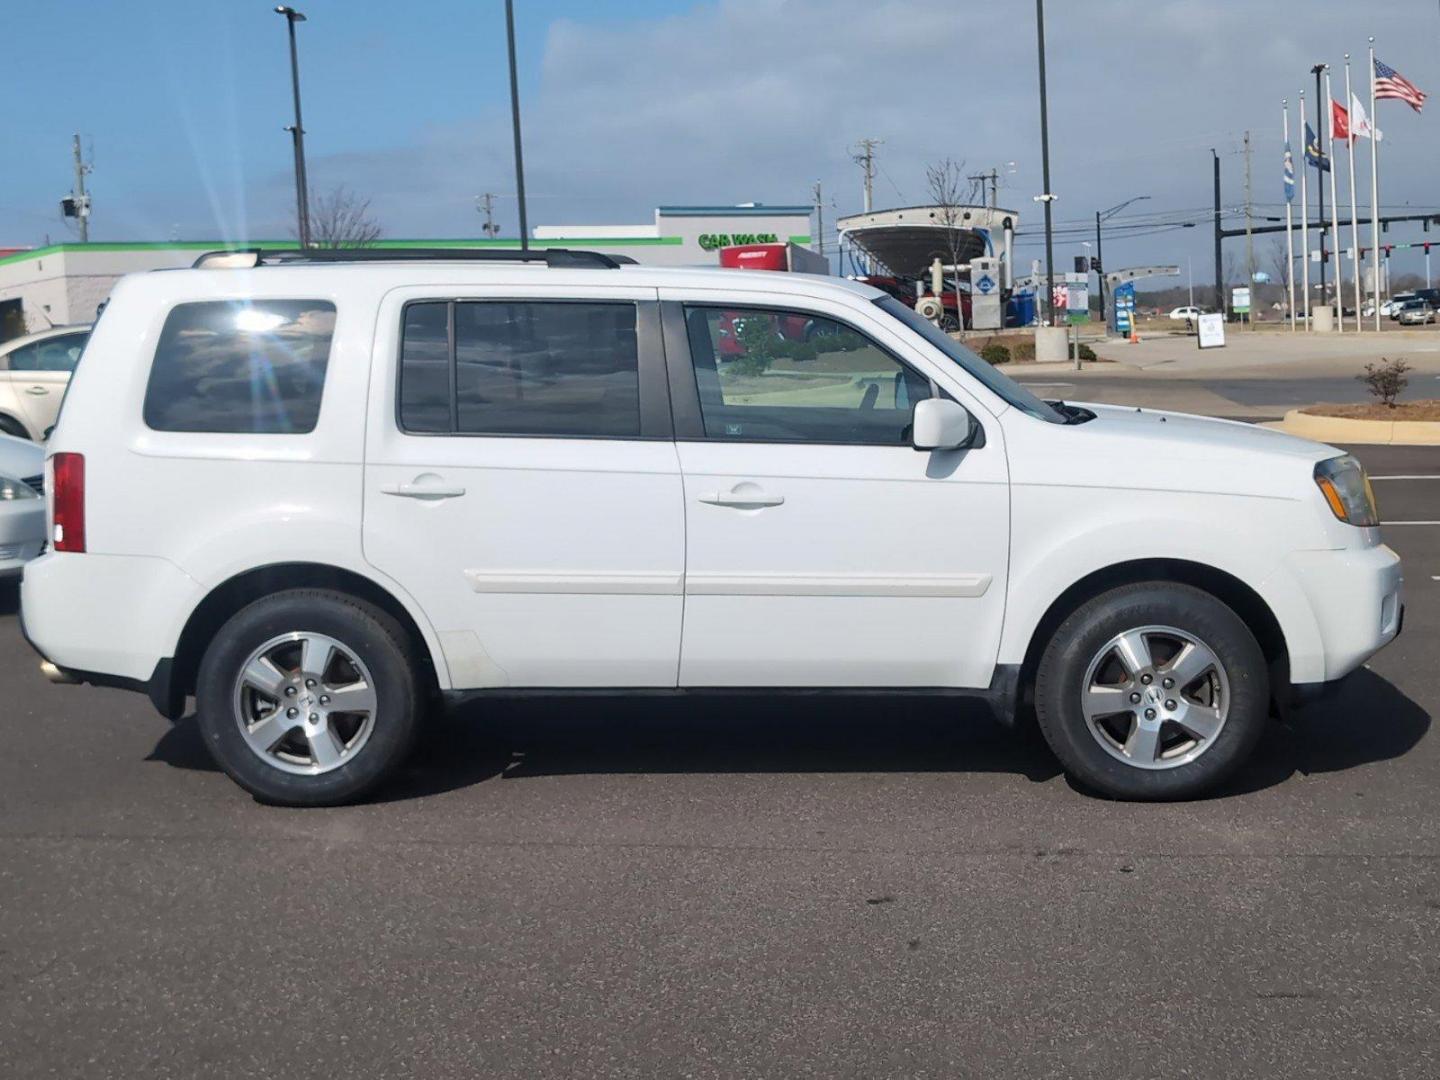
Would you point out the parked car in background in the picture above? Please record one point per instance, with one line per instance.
(556, 478)
(34, 371)
(1391, 308)
(1416, 313)
(22, 505)
(1187, 314)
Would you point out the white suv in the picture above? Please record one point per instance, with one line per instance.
(321, 494)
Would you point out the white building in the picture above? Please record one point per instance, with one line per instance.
(66, 283)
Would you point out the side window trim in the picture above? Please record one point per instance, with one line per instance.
(655, 399)
(685, 391)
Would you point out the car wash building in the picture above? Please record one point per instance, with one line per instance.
(65, 283)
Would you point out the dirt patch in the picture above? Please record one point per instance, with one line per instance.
(1405, 410)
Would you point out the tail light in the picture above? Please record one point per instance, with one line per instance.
(68, 501)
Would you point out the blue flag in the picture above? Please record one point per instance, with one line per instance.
(1314, 156)
(1289, 174)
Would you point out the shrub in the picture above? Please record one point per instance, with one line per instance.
(1386, 380)
(995, 353)
(1086, 352)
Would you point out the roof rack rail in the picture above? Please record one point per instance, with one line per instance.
(244, 258)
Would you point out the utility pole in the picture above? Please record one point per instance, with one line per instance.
(1219, 269)
(819, 221)
(1249, 236)
(487, 207)
(866, 159)
(1048, 197)
(297, 134)
(515, 125)
(1100, 271)
(81, 200)
(994, 177)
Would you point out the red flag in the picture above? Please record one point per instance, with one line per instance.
(1339, 121)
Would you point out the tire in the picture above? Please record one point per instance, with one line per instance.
(13, 427)
(1198, 733)
(349, 752)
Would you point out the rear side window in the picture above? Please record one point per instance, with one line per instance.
(523, 367)
(245, 367)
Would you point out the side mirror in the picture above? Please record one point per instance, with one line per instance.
(941, 424)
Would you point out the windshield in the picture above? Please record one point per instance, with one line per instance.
(994, 381)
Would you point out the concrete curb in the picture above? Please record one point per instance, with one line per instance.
(1336, 429)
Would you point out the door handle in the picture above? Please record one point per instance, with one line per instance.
(422, 491)
(38, 391)
(742, 500)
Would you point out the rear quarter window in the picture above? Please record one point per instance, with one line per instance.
(247, 367)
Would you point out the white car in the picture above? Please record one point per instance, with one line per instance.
(1391, 308)
(34, 371)
(317, 495)
(22, 507)
(1187, 314)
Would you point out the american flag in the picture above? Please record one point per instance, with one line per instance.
(1389, 83)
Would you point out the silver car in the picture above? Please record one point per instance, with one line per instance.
(1416, 313)
(22, 503)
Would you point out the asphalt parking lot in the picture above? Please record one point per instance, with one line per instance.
(731, 888)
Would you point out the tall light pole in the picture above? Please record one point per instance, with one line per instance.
(1048, 197)
(297, 133)
(1318, 71)
(515, 125)
(1106, 215)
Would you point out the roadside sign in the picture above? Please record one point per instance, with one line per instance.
(1124, 298)
(1240, 300)
(1077, 300)
(1212, 331)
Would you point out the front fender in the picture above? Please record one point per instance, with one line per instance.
(1055, 545)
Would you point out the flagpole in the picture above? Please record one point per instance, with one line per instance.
(1354, 217)
(1289, 223)
(1335, 208)
(1374, 186)
(1304, 217)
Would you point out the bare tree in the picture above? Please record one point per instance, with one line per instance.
(341, 219)
(949, 188)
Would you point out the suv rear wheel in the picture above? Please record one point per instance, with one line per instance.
(309, 697)
(1152, 691)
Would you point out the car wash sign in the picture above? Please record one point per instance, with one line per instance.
(715, 241)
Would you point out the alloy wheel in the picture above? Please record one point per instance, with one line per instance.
(305, 703)
(1155, 697)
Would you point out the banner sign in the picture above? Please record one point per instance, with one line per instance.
(1212, 331)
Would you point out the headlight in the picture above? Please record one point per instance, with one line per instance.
(1346, 488)
(12, 489)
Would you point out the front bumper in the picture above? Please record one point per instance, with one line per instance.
(22, 533)
(1355, 598)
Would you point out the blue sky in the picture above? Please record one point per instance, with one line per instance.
(636, 103)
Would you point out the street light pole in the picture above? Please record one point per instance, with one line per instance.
(1318, 70)
(515, 125)
(1047, 198)
(297, 133)
(1105, 215)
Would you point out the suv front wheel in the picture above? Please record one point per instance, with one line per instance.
(309, 697)
(1152, 691)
